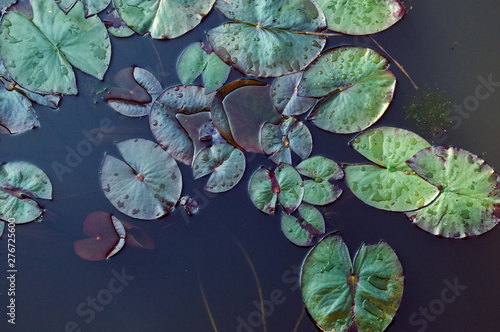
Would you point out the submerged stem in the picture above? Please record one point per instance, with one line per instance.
(207, 307)
(397, 63)
(300, 320)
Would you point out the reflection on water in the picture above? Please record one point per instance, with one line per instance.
(443, 45)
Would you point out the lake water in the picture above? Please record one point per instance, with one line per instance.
(446, 45)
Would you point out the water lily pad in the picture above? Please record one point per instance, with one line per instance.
(163, 19)
(284, 183)
(240, 109)
(147, 185)
(357, 84)
(208, 132)
(303, 231)
(193, 124)
(278, 140)
(469, 202)
(107, 237)
(361, 17)
(91, 7)
(338, 293)
(224, 162)
(135, 92)
(320, 191)
(269, 37)
(391, 184)
(20, 184)
(16, 111)
(38, 54)
(2, 227)
(199, 59)
(167, 130)
(115, 25)
(285, 96)
(190, 205)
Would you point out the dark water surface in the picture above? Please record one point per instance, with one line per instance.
(447, 45)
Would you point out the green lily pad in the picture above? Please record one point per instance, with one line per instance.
(115, 25)
(136, 91)
(338, 293)
(269, 38)
(16, 111)
(361, 17)
(147, 185)
(285, 96)
(38, 54)
(2, 227)
(303, 231)
(320, 191)
(357, 84)
(20, 184)
(163, 19)
(91, 7)
(391, 184)
(199, 59)
(224, 162)
(469, 202)
(278, 140)
(284, 183)
(165, 126)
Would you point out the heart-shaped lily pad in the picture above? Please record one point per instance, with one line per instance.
(339, 294)
(107, 237)
(240, 109)
(320, 191)
(391, 184)
(20, 184)
(357, 84)
(163, 19)
(135, 92)
(147, 185)
(38, 53)
(92, 7)
(199, 59)
(269, 38)
(224, 162)
(303, 231)
(278, 140)
(285, 96)
(361, 17)
(266, 186)
(166, 128)
(469, 202)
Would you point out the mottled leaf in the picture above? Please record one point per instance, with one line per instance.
(224, 163)
(147, 185)
(38, 53)
(469, 202)
(20, 184)
(361, 17)
(338, 294)
(303, 231)
(269, 38)
(391, 184)
(357, 84)
(163, 19)
(285, 96)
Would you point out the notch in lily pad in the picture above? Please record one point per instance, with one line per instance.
(389, 184)
(199, 59)
(469, 200)
(224, 163)
(356, 85)
(322, 170)
(277, 141)
(304, 230)
(283, 183)
(286, 99)
(339, 294)
(106, 237)
(20, 184)
(147, 185)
